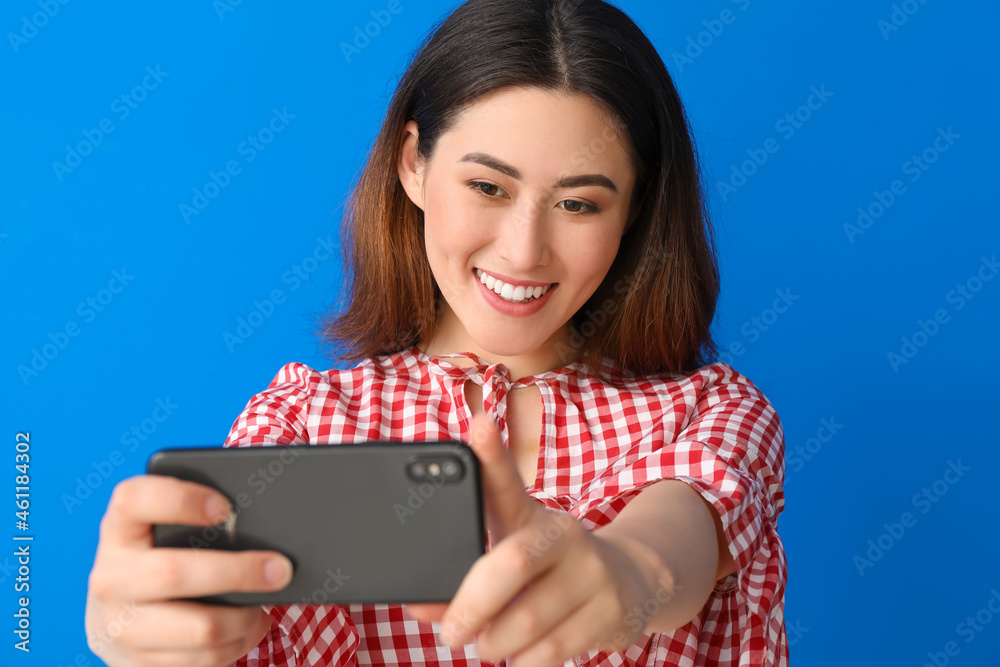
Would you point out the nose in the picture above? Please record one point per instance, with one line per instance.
(522, 238)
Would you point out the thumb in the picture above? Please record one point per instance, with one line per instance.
(508, 505)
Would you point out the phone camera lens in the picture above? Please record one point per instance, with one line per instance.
(417, 469)
(450, 469)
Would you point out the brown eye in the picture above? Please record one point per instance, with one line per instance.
(489, 190)
(580, 207)
(477, 187)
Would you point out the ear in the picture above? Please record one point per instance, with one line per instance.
(409, 167)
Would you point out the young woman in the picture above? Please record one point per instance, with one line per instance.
(532, 272)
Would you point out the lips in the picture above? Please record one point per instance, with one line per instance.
(511, 290)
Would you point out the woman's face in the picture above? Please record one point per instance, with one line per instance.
(532, 189)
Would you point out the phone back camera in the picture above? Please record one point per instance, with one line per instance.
(439, 469)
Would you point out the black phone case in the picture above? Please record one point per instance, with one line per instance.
(358, 522)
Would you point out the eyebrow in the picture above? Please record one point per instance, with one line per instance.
(581, 180)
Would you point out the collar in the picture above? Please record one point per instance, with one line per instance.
(493, 378)
(482, 371)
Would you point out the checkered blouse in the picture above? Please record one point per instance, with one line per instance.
(600, 444)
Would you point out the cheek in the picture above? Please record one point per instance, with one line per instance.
(593, 258)
(449, 244)
(438, 220)
(454, 232)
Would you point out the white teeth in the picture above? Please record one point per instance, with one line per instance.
(509, 292)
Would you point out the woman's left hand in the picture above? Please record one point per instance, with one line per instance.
(549, 589)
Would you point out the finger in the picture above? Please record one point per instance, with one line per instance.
(205, 657)
(140, 501)
(185, 626)
(165, 573)
(508, 504)
(429, 612)
(492, 582)
(550, 600)
(578, 633)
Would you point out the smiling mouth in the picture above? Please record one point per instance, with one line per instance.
(508, 292)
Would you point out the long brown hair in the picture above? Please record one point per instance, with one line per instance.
(654, 309)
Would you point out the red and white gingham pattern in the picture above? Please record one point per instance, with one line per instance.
(600, 445)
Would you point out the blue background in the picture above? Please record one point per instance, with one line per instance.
(853, 298)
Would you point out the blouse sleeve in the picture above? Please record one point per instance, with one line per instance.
(300, 635)
(731, 451)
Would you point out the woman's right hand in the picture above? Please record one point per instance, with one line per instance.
(130, 619)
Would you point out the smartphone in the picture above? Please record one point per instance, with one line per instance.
(372, 522)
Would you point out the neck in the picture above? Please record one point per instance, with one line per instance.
(555, 353)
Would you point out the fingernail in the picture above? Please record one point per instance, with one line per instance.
(278, 571)
(217, 509)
